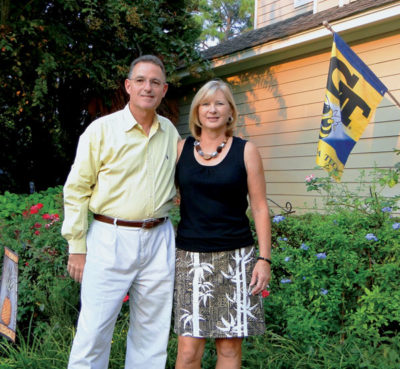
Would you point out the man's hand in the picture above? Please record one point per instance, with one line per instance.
(76, 264)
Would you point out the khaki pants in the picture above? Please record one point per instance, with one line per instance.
(122, 259)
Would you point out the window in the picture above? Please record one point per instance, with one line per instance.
(298, 3)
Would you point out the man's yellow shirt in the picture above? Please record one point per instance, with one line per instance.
(120, 172)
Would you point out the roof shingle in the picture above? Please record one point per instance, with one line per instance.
(290, 27)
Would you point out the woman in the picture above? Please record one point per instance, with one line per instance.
(218, 275)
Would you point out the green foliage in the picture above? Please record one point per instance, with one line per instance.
(331, 276)
(390, 177)
(30, 226)
(48, 350)
(63, 64)
(367, 197)
(334, 298)
(335, 276)
(222, 20)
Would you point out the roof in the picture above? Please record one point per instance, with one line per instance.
(290, 27)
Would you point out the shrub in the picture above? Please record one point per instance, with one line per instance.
(330, 278)
(334, 302)
(30, 225)
(335, 275)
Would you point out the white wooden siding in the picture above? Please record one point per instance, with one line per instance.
(280, 110)
(272, 11)
(327, 4)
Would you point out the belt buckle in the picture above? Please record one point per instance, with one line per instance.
(149, 223)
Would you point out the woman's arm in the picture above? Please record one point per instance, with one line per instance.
(259, 207)
(180, 148)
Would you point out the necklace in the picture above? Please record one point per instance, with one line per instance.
(212, 155)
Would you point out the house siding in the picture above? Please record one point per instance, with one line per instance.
(326, 4)
(280, 110)
(273, 11)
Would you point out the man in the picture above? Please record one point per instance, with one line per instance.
(124, 173)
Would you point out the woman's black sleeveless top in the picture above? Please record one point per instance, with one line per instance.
(213, 201)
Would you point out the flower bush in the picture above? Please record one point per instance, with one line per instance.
(30, 226)
(335, 275)
(333, 300)
(326, 274)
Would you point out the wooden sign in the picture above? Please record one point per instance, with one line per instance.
(9, 295)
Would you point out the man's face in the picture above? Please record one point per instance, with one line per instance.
(146, 87)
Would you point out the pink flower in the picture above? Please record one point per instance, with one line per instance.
(265, 293)
(48, 225)
(37, 233)
(35, 208)
(25, 213)
(26, 264)
(126, 298)
(310, 178)
(38, 225)
(48, 216)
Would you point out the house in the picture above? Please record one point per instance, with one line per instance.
(278, 73)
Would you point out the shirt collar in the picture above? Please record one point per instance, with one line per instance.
(129, 122)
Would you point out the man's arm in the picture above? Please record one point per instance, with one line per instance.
(77, 192)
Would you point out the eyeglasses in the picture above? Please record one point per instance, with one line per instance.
(141, 82)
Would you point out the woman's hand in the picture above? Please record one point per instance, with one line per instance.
(260, 277)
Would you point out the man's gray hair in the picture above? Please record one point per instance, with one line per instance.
(147, 59)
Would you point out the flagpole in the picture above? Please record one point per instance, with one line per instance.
(326, 24)
(393, 98)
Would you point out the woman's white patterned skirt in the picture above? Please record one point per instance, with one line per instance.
(212, 295)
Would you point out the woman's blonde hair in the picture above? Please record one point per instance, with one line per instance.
(209, 89)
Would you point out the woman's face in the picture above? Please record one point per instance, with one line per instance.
(214, 111)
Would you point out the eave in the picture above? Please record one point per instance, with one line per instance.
(353, 28)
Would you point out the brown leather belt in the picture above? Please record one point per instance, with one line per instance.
(147, 224)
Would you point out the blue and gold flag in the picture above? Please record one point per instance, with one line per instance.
(353, 92)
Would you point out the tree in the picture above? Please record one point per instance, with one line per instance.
(63, 64)
(222, 20)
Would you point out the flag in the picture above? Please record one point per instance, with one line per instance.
(9, 295)
(353, 92)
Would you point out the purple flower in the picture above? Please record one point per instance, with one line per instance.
(282, 239)
(321, 256)
(387, 209)
(284, 281)
(304, 247)
(371, 237)
(287, 258)
(324, 291)
(396, 225)
(278, 218)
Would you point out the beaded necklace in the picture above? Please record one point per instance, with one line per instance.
(212, 155)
